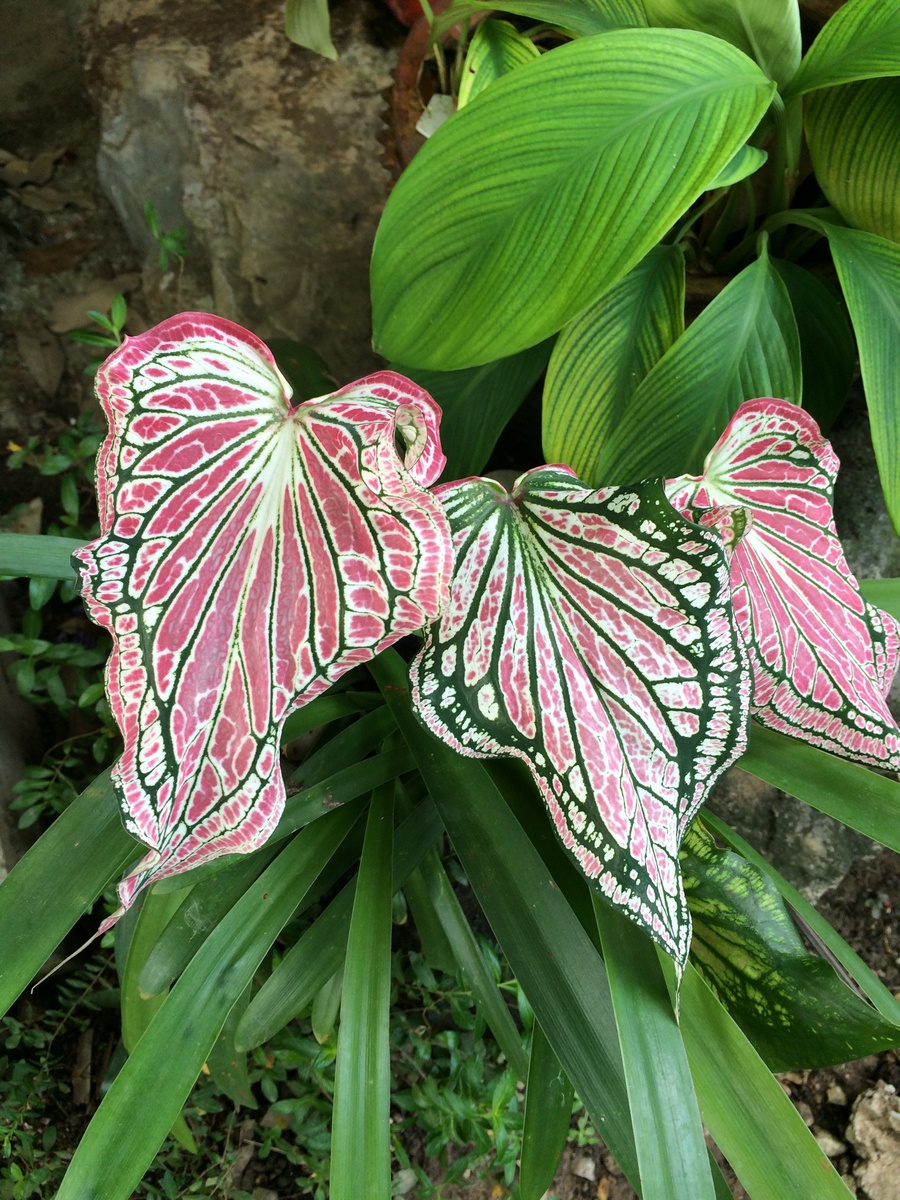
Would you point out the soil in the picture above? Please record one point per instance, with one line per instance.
(61, 239)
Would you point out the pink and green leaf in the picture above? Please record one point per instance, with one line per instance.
(822, 658)
(250, 554)
(589, 634)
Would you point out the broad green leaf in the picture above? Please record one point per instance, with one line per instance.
(667, 1129)
(869, 270)
(861, 41)
(884, 593)
(589, 634)
(548, 1112)
(307, 23)
(57, 881)
(496, 48)
(750, 1118)
(790, 1003)
(126, 1131)
(746, 162)
(852, 794)
(477, 403)
(540, 197)
(854, 142)
(551, 955)
(580, 17)
(744, 344)
(309, 964)
(767, 31)
(602, 356)
(827, 348)
(361, 1127)
(37, 554)
(822, 659)
(251, 553)
(862, 975)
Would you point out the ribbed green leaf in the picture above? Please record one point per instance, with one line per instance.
(602, 356)
(750, 1118)
(869, 270)
(361, 1131)
(827, 348)
(790, 1003)
(744, 344)
(746, 162)
(577, 16)
(667, 1129)
(308, 24)
(126, 1131)
(309, 964)
(57, 881)
(852, 794)
(861, 41)
(541, 196)
(548, 1111)
(477, 403)
(854, 141)
(496, 49)
(768, 31)
(884, 593)
(37, 554)
(550, 953)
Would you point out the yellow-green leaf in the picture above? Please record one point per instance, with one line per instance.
(861, 41)
(496, 48)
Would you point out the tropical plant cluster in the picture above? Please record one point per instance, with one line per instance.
(665, 597)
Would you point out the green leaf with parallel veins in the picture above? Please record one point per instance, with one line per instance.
(861, 41)
(307, 23)
(496, 49)
(602, 356)
(548, 1113)
(854, 142)
(744, 344)
(537, 199)
(37, 554)
(746, 162)
(767, 31)
(580, 17)
(790, 1003)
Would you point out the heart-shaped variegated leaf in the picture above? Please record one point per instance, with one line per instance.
(822, 658)
(589, 633)
(251, 553)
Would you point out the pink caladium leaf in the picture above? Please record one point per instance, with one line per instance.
(822, 658)
(251, 553)
(589, 633)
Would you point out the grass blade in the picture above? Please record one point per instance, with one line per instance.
(548, 1110)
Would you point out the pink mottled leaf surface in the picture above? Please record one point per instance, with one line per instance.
(589, 634)
(251, 553)
(822, 658)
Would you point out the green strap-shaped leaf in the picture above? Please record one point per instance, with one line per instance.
(767, 31)
(827, 348)
(602, 356)
(548, 1113)
(227, 1066)
(37, 554)
(861, 41)
(745, 343)
(884, 593)
(537, 199)
(869, 270)
(667, 1129)
(790, 1003)
(57, 881)
(139, 1007)
(580, 17)
(361, 1131)
(126, 1131)
(854, 142)
(496, 48)
(750, 1118)
(308, 24)
(589, 634)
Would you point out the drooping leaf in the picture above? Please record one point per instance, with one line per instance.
(790, 1003)
(496, 48)
(308, 24)
(541, 196)
(767, 31)
(743, 344)
(37, 554)
(589, 634)
(250, 554)
(854, 142)
(827, 348)
(579, 17)
(861, 41)
(601, 357)
(821, 657)
(548, 1113)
